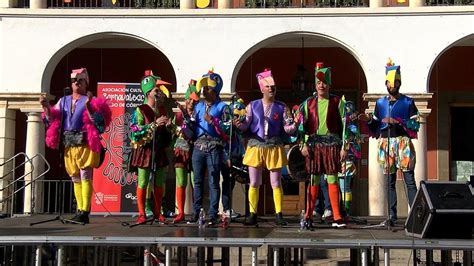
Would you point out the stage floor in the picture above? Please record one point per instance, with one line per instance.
(112, 231)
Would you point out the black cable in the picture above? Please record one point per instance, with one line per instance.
(107, 210)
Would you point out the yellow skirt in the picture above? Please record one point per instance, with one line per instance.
(79, 157)
(270, 158)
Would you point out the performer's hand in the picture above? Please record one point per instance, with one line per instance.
(364, 117)
(343, 155)
(304, 151)
(390, 120)
(90, 95)
(168, 123)
(236, 122)
(208, 118)
(161, 121)
(353, 116)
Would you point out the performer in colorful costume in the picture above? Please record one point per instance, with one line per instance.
(267, 121)
(83, 119)
(211, 124)
(352, 140)
(395, 121)
(322, 117)
(183, 146)
(150, 121)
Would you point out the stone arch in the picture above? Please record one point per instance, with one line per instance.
(84, 40)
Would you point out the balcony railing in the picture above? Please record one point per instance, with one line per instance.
(303, 3)
(449, 2)
(175, 4)
(151, 4)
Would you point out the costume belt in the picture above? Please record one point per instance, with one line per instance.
(265, 143)
(74, 138)
(328, 140)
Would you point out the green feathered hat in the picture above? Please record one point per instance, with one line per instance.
(192, 92)
(323, 73)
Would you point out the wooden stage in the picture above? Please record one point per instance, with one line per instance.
(113, 231)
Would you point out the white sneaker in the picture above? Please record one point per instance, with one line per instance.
(327, 214)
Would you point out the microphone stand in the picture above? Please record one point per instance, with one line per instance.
(387, 222)
(61, 165)
(230, 166)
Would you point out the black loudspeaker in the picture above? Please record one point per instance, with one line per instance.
(442, 210)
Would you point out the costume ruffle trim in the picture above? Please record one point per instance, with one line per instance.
(102, 115)
(52, 133)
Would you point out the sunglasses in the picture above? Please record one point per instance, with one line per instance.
(74, 80)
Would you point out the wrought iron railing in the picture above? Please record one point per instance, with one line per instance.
(148, 4)
(304, 3)
(58, 196)
(449, 2)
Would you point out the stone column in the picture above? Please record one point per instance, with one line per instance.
(421, 101)
(375, 3)
(7, 150)
(416, 3)
(377, 182)
(34, 145)
(223, 4)
(37, 4)
(186, 4)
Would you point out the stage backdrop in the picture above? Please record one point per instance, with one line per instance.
(114, 186)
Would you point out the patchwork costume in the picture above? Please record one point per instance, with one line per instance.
(352, 140)
(210, 138)
(267, 126)
(401, 152)
(322, 121)
(183, 149)
(143, 126)
(82, 123)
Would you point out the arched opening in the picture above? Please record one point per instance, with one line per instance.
(108, 57)
(292, 58)
(450, 147)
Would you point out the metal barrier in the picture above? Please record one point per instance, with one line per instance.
(18, 184)
(51, 200)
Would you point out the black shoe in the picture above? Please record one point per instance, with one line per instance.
(194, 219)
(76, 217)
(213, 221)
(308, 224)
(338, 224)
(251, 219)
(389, 222)
(84, 217)
(279, 219)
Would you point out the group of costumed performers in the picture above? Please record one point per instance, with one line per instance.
(267, 122)
(206, 136)
(77, 120)
(395, 122)
(150, 136)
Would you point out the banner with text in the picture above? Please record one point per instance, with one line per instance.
(114, 186)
